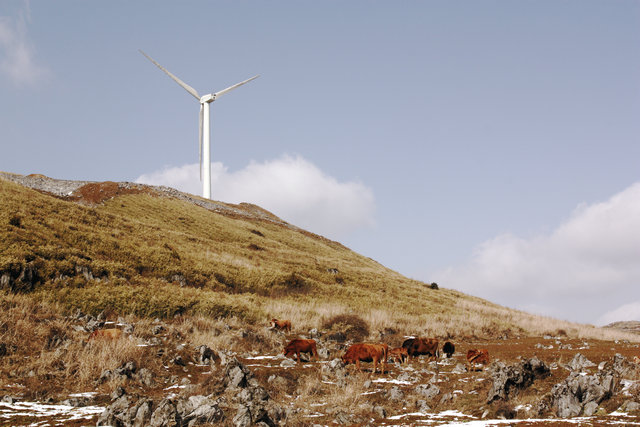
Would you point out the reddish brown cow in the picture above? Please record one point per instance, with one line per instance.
(111, 334)
(422, 346)
(376, 353)
(281, 325)
(297, 346)
(475, 355)
(399, 354)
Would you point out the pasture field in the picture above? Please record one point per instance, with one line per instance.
(177, 272)
(51, 373)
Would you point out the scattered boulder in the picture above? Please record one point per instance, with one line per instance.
(570, 397)
(579, 363)
(429, 391)
(507, 380)
(126, 369)
(236, 374)
(625, 368)
(395, 394)
(166, 414)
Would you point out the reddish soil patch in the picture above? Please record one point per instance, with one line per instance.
(98, 192)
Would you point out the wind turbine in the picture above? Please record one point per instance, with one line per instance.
(204, 133)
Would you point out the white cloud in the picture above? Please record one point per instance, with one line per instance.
(16, 52)
(587, 266)
(290, 187)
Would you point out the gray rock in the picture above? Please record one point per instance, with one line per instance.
(127, 369)
(243, 417)
(236, 374)
(166, 414)
(631, 407)
(429, 391)
(624, 367)
(202, 410)
(405, 376)
(422, 406)
(142, 417)
(446, 398)
(145, 377)
(118, 393)
(570, 397)
(589, 409)
(579, 362)
(287, 363)
(379, 411)
(76, 402)
(508, 380)
(395, 394)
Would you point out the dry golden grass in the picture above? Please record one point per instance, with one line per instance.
(153, 256)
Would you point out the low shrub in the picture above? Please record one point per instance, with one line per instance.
(353, 326)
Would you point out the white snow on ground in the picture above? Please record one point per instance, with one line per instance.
(392, 381)
(452, 419)
(35, 409)
(85, 394)
(261, 357)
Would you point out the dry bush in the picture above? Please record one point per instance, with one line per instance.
(354, 327)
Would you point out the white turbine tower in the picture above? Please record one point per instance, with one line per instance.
(204, 134)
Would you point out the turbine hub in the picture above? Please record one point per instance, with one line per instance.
(208, 98)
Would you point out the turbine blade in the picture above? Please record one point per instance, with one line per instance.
(200, 138)
(230, 88)
(185, 86)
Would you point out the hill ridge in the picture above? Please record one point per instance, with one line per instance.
(70, 189)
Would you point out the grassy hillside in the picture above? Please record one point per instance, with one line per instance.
(134, 250)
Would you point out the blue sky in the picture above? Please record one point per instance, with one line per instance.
(491, 146)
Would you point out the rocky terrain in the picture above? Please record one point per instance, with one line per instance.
(529, 380)
(193, 303)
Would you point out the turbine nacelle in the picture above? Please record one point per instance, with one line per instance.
(208, 98)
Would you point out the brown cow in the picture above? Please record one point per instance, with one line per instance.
(475, 355)
(423, 346)
(365, 352)
(281, 325)
(399, 354)
(297, 346)
(112, 334)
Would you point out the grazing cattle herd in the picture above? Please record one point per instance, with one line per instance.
(379, 353)
(376, 353)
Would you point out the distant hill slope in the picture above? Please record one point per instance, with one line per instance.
(632, 326)
(155, 251)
